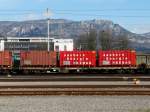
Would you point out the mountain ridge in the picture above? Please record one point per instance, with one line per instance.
(62, 28)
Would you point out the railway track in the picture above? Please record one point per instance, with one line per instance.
(80, 88)
(73, 91)
(78, 74)
(72, 78)
(74, 85)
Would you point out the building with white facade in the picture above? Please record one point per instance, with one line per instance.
(36, 43)
(63, 44)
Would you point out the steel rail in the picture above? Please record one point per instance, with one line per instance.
(72, 86)
(68, 91)
(70, 78)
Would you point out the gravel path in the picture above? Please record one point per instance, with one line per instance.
(75, 104)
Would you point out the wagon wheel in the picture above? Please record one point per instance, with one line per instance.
(121, 71)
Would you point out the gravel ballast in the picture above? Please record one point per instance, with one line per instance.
(74, 103)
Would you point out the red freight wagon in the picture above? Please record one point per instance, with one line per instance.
(5, 59)
(37, 58)
(78, 58)
(117, 58)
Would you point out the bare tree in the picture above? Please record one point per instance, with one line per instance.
(91, 40)
(105, 40)
(122, 42)
(87, 41)
(81, 42)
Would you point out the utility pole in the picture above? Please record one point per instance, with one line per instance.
(48, 21)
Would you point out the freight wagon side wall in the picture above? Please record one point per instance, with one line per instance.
(143, 59)
(5, 59)
(77, 59)
(119, 58)
(37, 58)
(133, 58)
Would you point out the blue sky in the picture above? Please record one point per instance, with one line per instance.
(131, 14)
